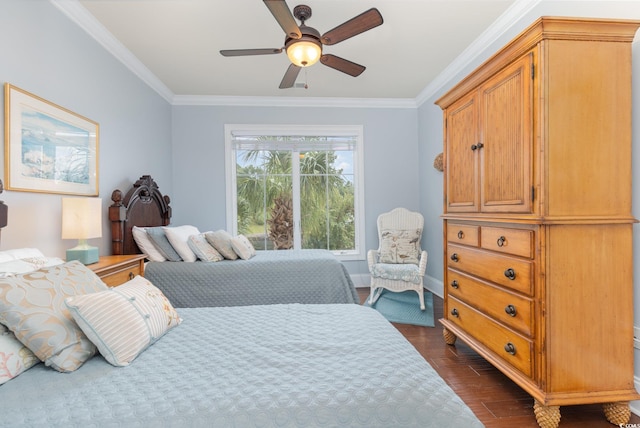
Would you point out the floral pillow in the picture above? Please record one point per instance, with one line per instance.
(32, 306)
(123, 321)
(243, 247)
(400, 246)
(202, 249)
(15, 358)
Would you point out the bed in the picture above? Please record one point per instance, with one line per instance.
(267, 365)
(269, 277)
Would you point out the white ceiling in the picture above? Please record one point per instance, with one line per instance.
(174, 44)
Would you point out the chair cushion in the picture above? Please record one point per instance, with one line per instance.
(400, 246)
(399, 272)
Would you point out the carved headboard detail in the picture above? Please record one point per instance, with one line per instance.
(143, 206)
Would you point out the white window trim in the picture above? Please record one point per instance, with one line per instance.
(302, 130)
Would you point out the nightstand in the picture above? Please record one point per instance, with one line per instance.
(116, 270)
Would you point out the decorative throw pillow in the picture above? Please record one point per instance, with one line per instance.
(162, 244)
(29, 264)
(203, 250)
(32, 306)
(243, 247)
(221, 241)
(145, 245)
(123, 321)
(19, 253)
(400, 246)
(178, 237)
(15, 358)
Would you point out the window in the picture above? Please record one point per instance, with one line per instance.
(296, 187)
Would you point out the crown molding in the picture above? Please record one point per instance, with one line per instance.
(499, 27)
(205, 100)
(79, 15)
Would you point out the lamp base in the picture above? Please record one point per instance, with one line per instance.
(86, 255)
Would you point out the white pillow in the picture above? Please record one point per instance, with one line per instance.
(145, 244)
(124, 321)
(19, 253)
(29, 264)
(243, 247)
(178, 237)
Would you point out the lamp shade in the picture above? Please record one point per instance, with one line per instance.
(81, 218)
(304, 52)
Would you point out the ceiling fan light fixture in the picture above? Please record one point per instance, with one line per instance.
(304, 52)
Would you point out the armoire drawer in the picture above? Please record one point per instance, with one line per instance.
(508, 345)
(509, 308)
(518, 242)
(467, 234)
(510, 272)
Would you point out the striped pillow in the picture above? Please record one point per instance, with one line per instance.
(124, 321)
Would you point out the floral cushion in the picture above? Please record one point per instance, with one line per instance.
(400, 246)
(400, 272)
(32, 306)
(123, 321)
(202, 249)
(243, 247)
(15, 358)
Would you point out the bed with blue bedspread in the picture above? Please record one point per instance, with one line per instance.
(287, 365)
(270, 277)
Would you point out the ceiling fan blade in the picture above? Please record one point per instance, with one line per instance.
(341, 64)
(243, 52)
(283, 15)
(290, 76)
(359, 24)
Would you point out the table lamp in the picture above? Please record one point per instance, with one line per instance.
(82, 220)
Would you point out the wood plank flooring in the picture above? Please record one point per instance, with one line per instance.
(494, 398)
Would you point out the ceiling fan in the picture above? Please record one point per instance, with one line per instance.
(303, 44)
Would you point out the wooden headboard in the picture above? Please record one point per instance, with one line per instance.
(143, 206)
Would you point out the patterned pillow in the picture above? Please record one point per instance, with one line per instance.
(29, 264)
(243, 247)
(221, 241)
(400, 246)
(15, 358)
(202, 249)
(124, 321)
(162, 244)
(32, 306)
(178, 237)
(146, 246)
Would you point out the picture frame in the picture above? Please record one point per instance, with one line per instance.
(48, 148)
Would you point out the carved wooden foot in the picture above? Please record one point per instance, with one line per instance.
(449, 338)
(547, 416)
(617, 413)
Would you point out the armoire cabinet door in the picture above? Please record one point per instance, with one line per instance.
(506, 131)
(462, 161)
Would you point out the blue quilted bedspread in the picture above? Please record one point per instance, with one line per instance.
(256, 366)
(270, 277)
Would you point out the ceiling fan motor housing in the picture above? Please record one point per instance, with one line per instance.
(309, 35)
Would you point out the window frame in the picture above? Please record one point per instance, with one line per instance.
(356, 131)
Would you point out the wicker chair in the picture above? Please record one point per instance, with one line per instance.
(399, 263)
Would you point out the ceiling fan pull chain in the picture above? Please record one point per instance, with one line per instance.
(306, 86)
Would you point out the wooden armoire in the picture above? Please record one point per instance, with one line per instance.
(537, 214)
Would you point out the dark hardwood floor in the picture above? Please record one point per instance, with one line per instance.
(495, 399)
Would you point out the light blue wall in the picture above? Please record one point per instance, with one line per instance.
(43, 52)
(390, 157)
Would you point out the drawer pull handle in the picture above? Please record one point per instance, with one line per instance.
(454, 283)
(131, 275)
(477, 146)
(454, 257)
(510, 310)
(455, 313)
(460, 234)
(510, 348)
(501, 241)
(510, 274)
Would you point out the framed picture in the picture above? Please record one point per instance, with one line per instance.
(48, 148)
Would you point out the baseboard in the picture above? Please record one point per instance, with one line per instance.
(635, 405)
